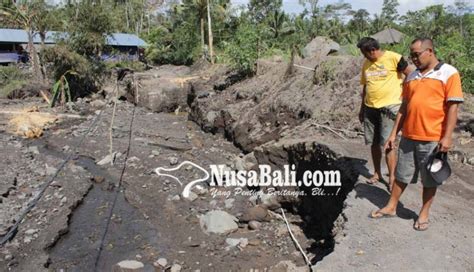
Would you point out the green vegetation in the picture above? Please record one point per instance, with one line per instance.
(181, 32)
(11, 78)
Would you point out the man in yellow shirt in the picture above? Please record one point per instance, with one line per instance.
(382, 87)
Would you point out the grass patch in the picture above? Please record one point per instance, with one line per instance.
(11, 78)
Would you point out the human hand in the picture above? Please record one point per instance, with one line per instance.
(390, 143)
(445, 144)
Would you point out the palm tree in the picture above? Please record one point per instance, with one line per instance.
(24, 15)
(279, 24)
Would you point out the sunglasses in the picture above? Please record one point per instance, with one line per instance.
(416, 55)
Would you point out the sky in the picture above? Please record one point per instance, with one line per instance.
(372, 6)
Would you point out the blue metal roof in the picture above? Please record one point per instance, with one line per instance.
(20, 36)
(122, 39)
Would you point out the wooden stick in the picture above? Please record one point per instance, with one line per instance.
(45, 97)
(330, 129)
(304, 67)
(111, 129)
(60, 115)
(308, 262)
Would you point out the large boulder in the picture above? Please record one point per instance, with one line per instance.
(320, 47)
(218, 222)
(164, 89)
(164, 94)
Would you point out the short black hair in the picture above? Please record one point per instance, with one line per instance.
(425, 42)
(368, 44)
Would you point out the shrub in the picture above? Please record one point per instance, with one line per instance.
(83, 75)
(243, 49)
(11, 78)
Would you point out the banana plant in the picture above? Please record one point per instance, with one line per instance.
(61, 91)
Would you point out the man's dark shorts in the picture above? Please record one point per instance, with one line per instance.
(378, 123)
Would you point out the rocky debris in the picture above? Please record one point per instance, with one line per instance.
(97, 103)
(270, 201)
(282, 230)
(31, 232)
(245, 163)
(262, 108)
(8, 257)
(175, 198)
(299, 143)
(192, 196)
(327, 71)
(254, 225)
(63, 201)
(257, 213)
(33, 150)
(173, 160)
(236, 242)
(110, 158)
(320, 47)
(129, 266)
(164, 89)
(175, 268)
(29, 89)
(50, 170)
(265, 65)
(161, 262)
(322, 204)
(165, 95)
(219, 222)
(229, 203)
(98, 179)
(470, 126)
(288, 266)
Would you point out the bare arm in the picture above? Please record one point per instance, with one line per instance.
(410, 68)
(447, 140)
(361, 111)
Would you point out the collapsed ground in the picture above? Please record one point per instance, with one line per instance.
(211, 115)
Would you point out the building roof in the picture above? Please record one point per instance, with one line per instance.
(388, 35)
(20, 36)
(123, 39)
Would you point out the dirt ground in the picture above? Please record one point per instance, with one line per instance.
(94, 215)
(65, 228)
(150, 222)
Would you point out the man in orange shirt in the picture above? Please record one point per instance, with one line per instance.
(427, 118)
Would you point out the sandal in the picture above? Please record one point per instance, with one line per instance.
(421, 226)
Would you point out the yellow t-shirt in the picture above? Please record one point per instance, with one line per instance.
(384, 83)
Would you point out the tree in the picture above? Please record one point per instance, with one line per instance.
(278, 24)
(261, 9)
(360, 20)
(389, 12)
(337, 11)
(88, 31)
(209, 24)
(311, 6)
(23, 14)
(461, 7)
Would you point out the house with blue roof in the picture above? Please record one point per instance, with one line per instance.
(13, 45)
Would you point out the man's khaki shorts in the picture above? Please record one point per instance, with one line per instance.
(378, 124)
(412, 158)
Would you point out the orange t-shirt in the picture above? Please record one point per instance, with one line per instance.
(426, 96)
